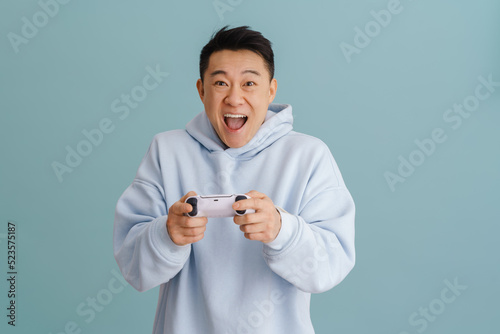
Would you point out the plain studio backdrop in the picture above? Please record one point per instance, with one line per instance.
(405, 93)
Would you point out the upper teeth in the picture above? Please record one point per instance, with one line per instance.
(234, 116)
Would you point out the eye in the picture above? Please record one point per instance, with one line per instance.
(250, 83)
(220, 83)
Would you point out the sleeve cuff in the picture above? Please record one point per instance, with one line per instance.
(164, 245)
(289, 228)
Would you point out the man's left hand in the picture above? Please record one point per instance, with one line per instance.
(263, 225)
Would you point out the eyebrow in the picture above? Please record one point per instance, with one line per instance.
(214, 73)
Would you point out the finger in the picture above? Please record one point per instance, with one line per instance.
(180, 208)
(250, 218)
(193, 231)
(255, 236)
(189, 194)
(256, 194)
(250, 203)
(252, 228)
(194, 222)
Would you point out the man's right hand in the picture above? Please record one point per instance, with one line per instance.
(182, 229)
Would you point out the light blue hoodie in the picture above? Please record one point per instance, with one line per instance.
(225, 283)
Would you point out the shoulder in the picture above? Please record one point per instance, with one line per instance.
(171, 135)
(305, 143)
(172, 138)
(307, 150)
(170, 142)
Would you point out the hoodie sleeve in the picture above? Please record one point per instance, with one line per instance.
(314, 249)
(146, 255)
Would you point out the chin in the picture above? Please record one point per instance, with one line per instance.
(235, 143)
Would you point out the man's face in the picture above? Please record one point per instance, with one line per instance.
(236, 93)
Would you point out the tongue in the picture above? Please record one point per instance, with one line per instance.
(235, 123)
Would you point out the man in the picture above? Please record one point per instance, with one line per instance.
(251, 273)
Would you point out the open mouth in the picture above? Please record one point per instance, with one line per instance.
(234, 121)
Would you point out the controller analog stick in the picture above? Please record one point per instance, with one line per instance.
(193, 201)
(239, 198)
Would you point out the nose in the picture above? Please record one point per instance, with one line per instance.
(234, 97)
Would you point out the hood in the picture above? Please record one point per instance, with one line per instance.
(278, 122)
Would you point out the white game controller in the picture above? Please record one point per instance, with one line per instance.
(213, 206)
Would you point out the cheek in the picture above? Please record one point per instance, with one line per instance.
(209, 99)
(211, 104)
(261, 101)
(210, 95)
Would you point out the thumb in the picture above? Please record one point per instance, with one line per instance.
(180, 208)
(189, 194)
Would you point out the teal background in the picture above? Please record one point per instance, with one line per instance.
(442, 223)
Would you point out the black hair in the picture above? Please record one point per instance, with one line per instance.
(239, 38)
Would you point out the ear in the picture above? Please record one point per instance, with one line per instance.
(201, 91)
(273, 87)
